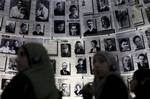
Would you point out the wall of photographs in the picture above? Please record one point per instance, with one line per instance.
(72, 31)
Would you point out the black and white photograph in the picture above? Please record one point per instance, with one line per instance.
(2, 62)
(64, 89)
(138, 42)
(127, 63)
(142, 61)
(95, 46)
(119, 2)
(20, 9)
(90, 27)
(137, 16)
(73, 11)
(122, 18)
(51, 46)
(124, 44)
(6, 46)
(2, 3)
(110, 44)
(133, 2)
(65, 68)
(104, 24)
(77, 89)
(10, 27)
(11, 65)
(10, 46)
(4, 83)
(91, 65)
(146, 1)
(39, 29)
(102, 5)
(74, 29)
(59, 8)
(66, 50)
(59, 26)
(79, 48)
(147, 10)
(92, 45)
(81, 67)
(1, 22)
(42, 10)
(24, 28)
(53, 64)
(87, 7)
(147, 33)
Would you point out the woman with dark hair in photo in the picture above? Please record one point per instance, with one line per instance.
(35, 77)
(23, 29)
(95, 48)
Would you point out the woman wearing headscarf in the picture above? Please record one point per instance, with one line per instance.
(35, 78)
(107, 80)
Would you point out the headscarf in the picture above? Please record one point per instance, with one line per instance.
(40, 71)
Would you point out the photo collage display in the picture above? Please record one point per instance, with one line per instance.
(72, 31)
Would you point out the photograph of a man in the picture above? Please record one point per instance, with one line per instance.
(74, 29)
(64, 89)
(127, 63)
(65, 50)
(110, 44)
(74, 13)
(81, 66)
(138, 42)
(91, 29)
(142, 61)
(20, 9)
(42, 10)
(79, 49)
(38, 30)
(64, 70)
(59, 9)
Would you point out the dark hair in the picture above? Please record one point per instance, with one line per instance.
(142, 55)
(89, 20)
(94, 41)
(80, 59)
(72, 6)
(23, 24)
(78, 85)
(123, 40)
(58, 3)
(136, 37)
